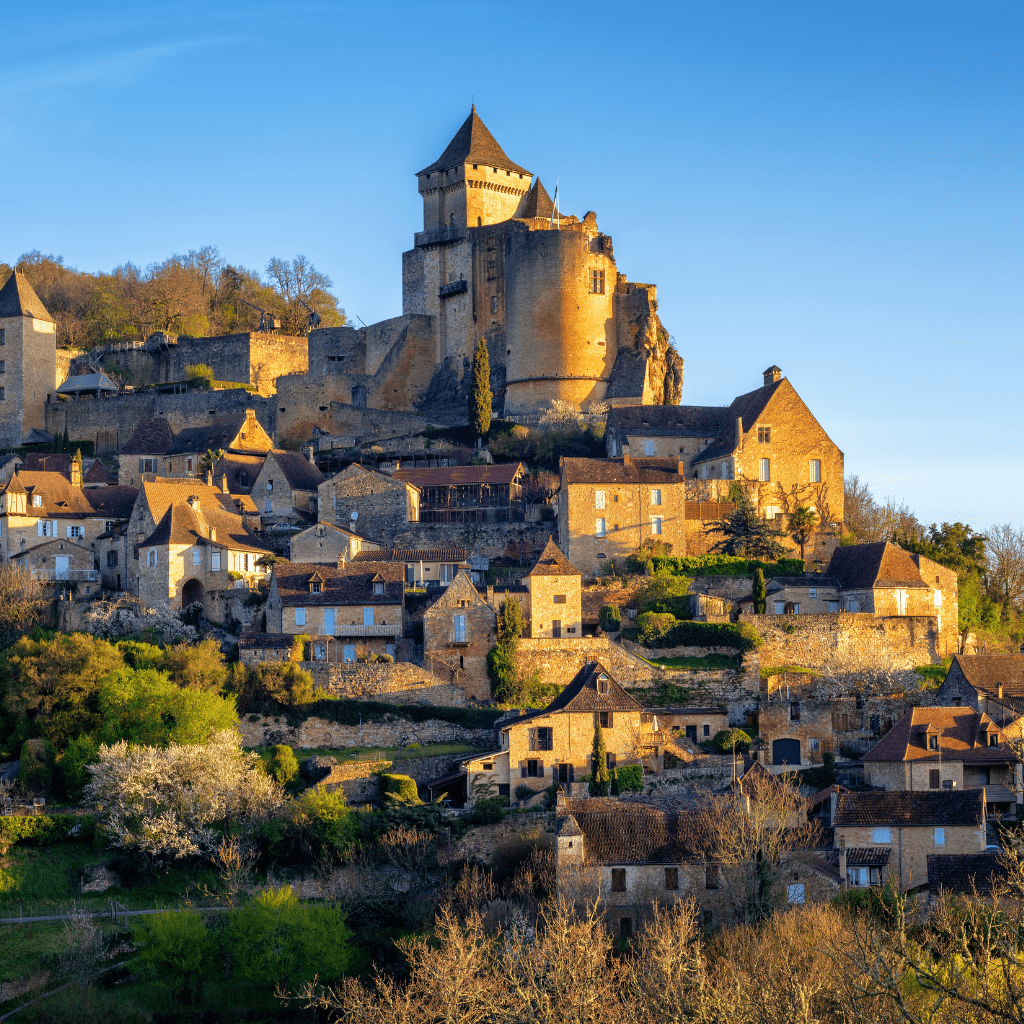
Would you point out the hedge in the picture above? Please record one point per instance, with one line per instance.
(726, 565)
(42, 829)
(742, 636)
(630, 778)
(348, 712)
(400, 788)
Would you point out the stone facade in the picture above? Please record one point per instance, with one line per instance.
(400, 683)
(555, 607)
(522, 541)
(326, 543)
(459, 629)
(383, 505)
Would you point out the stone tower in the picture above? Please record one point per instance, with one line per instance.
(28, 360)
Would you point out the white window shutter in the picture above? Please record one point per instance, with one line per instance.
(39, 527)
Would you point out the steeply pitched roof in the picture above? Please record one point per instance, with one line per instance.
(615, 471)
(449, 555)
(301, 474)
(441, 476)
(220, 432)
(382, 479)
(582, 694)
(960, 735)
(988, 672)
(97, 473)
(150, 437)
(865, 566)
(180, 524)
(60, 499)
(748, 407)
(553, 563)
(352, 584)
(631, 833)
(113, 502)
(238, 466)
(864, 856)
(903, 807)
(537, 203)
(473, 144)
(18, 298)
(671, 420)
(218, 510)
(87, 382)
(965, 872)
(48, 462)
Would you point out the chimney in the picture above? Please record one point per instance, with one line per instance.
(843, 882)
(213, 533)
(209, 478)
(224, 483)
(833, 805)
(193, 500)
(560, 802)
(341, 561)
(626, 460)
(490, 595)
(772, 374)
(999, 691)
(76, 473)
(739, 431)
(309, 455)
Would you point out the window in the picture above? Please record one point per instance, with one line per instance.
(492, 270)
(656, 525)
(764, 470)
(197, 558)
(812, 593)
(151, 557)
(794, 711)
(215, 561)
(503, 789)
(147, 465)
(3, 366)
(993, 739)
(378, 588)
(599, 499)
(597, 282)
(779, 606)
(656, 497)
(3, 336)
(815, 471)
(545, 738)
(619, 880)
(672, 878)
(602, 684)
(189, 465)
(458, 629)
(367, 616)
(488, 766)
(3, 395)
(316, 587)
(558, 598)
(933, 778)
(815, 744)
(796, 893)
(531, 768)
(75, 531)
(881, 835)
(764, 435)
(609, 762)
(933, 742)
(796, 607)
(648, 447)
(111, 559)
(901, 602)
(712, 876)
(606, 718)
(599, 528)
(268, 505)
(37, 501)
(708, 917)
(940, 837)
(853, 605)
(707, 730)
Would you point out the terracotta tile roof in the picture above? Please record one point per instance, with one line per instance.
(352, 584)
(614, 471)
(553, 563)
(965, 872)
(939, 807)
(150, 437)
(960, 733)
(630, 833)
(473, 144)
(45, 462)
(59, 497)
(115, 501)
(987, 672)
(18, 298)
(449, 555)
(671, 420)
(97, 473)
(865, 566)
(442, 476)
(301, 474)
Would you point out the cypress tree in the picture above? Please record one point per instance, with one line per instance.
(760, 593)
(599, 761)
(67, 440)
(479, 401)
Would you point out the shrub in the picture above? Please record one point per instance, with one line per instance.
(71, 765)
(180, 950)
(37, 762)
(630, 778)
(322, 825)
(610, 618)
(724, 740)
(283, 764)
(490, 810)
(45, 829)
(651, 625)
(640, 562)
(524, 792)
(741, 636)
(727, 565)
(385, 659)
(399, 789)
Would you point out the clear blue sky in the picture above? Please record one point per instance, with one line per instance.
(833, 187)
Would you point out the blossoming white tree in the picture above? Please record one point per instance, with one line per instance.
(166, 803)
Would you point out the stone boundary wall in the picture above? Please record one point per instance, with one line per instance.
(398, 683)
(389, 731)
(359, 779)
(677, 652)
(495, 540)
(480, 842)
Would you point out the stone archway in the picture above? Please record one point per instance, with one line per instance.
(192, 592)
(786, 752)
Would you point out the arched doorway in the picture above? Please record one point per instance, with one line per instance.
(786, 752)
(192, 593)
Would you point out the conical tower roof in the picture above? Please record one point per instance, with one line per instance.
(18, 298)
(538, 203)
(473, 144)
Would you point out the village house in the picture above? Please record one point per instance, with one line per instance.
(554, 609)
(236, 472)
(424, 567)
(949, 748)
(97, 474)
(554, 744)
(468, 494)
(350, 611)
(327, 543)
(989, 683)
(368, 503)
(796, 595)
(607, 509)
(286, 490)
(684, 726)
(897, 831)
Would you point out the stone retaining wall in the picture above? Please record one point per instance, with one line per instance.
(389, 731)
(480, 842)
(495, 540)
(360, 782)
(398, 683)
(558, 661)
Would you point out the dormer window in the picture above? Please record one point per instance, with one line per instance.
(602, 684)
(378, 588)
(315, 587)
(37, 501)
(933, 742)
(993, 739)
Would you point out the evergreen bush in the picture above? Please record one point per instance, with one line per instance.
(399, 789)
(610, 618)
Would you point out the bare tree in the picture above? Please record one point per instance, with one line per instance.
(1005, 562)
(22, 602)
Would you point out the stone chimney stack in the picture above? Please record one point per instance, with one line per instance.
(213, 533)
(209, 478)
(490, 595)
(224, 483)
(341, 561)
(739, 431)
(193, 500)
(772, 374)
(843, 881)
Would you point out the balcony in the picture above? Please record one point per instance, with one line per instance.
(458, 638)
(341, 630)
(83, 575)
(437, 236)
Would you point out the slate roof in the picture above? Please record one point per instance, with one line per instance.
(671, 420)
(965, 872)
(615, 471)
(633, 833)
(115, 501)
(97, 473)
(928, 807)
(219, 510)
(538, 202)
(987, 672)
(87, 382)
(802, 581)
(352, 584)
(37, 436)
(60, 499)
(553, 563)
(181, 524)
(301, 474)
(864, 856)
(960, 738)
(749, 407)
(18, 298)
(568, 826)
(582, 695)
(403, 555)
(46, 462)
(865, 566)
(218, 433)
(473, 144)
(150, 437)
(441, 476)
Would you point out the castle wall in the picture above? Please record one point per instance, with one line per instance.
(29, 356)
(17, 332)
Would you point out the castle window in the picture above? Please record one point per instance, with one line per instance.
(1, 394)
(3, 366)
(479, 222)
(3, 336)
(494, 306)
(492, 270)
(764, 470)
(764, 435)
(815, 471)
(597, 282)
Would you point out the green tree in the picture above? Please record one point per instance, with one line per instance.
(802, 524)
(283, 765)
(73, 763)
(180, 950)
(35, 771)
(760, 593)
(507, 685)
(599, 764)
(197, 666)
(610, 618)
(479, 399)
(322, 827)
(954, 545)
(747, 533)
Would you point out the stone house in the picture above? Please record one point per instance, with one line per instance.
(9, 465)
(286, 490)
(949, 748)
(634, 855)
(911, 826)
(685, 725)
(370, 503)
(324, 542)
(459, 629)
(989, 683)
(608, 508)
(256, 648)
(555, 605)
(468, 494)
(554, 744)
(236, 472)
(145, 452)
(350, 610)
(424, 567)
(28, 361)
(812, 594)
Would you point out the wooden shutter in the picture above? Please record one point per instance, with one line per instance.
(533, 738)
(141, 466)
(611, 761)
(540, 769)
(522, 769)
(611, 719)
(572, 774)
